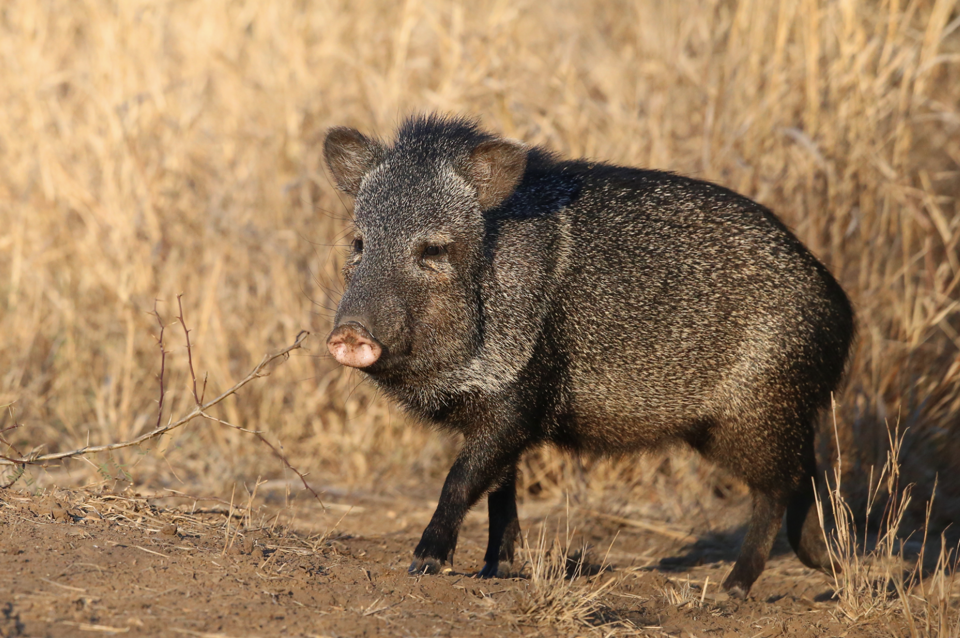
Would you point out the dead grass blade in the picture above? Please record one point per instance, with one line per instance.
(558, 592)
(880, 581)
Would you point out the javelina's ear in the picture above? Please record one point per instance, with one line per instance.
(495, 168)
(350, 155)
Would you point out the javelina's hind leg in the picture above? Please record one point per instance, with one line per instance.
(803, 528)
(764, 524)
(504, 525)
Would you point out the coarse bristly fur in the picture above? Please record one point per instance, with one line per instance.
(525, 300)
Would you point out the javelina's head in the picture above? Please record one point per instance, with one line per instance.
(412, 305)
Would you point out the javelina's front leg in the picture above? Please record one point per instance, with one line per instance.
(504, 524)
(480, 463)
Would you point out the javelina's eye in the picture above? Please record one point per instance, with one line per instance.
(358, 245)
(433, 251)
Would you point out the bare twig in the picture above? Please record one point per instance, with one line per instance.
(303, 477)
(163, 362)
(15, 426)
(193, 376)
(199, 410)
(276, 452)
(228, 424)
(11, 427)
(199, 400)
(18, 473)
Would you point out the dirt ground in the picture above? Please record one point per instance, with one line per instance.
(76, 563)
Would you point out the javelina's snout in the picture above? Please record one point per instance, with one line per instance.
(352, 345)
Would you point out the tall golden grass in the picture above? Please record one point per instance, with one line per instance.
(881, 580)
(153, 147)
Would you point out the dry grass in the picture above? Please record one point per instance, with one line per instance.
(152, 147)
(932, 606)
(559, 591)
(868, 577)
(683, 593)
(877, 578)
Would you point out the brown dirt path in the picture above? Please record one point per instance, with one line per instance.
(81, 563)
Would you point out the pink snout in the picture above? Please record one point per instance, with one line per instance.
(351, 345)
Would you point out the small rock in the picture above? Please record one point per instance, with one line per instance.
(170, 529)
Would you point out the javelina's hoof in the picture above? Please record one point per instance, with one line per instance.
(736, 591)
(425, 566)
(490, 570)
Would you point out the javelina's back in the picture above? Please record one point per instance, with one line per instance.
(521, 300)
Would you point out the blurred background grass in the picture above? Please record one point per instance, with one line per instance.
(153, 147)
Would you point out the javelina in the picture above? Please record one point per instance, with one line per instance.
(498, 291)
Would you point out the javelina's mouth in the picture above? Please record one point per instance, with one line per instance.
(352, 345)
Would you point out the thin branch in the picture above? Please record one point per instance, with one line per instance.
(256, 373)
(199, 411)
(9, 428)
(193, 376)
(163, 363)
(276, 452)
(17, 474)
(199, 400)
(20, 469)
(228, 424)
(303, 478)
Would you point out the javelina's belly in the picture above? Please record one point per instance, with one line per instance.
(614, 418)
